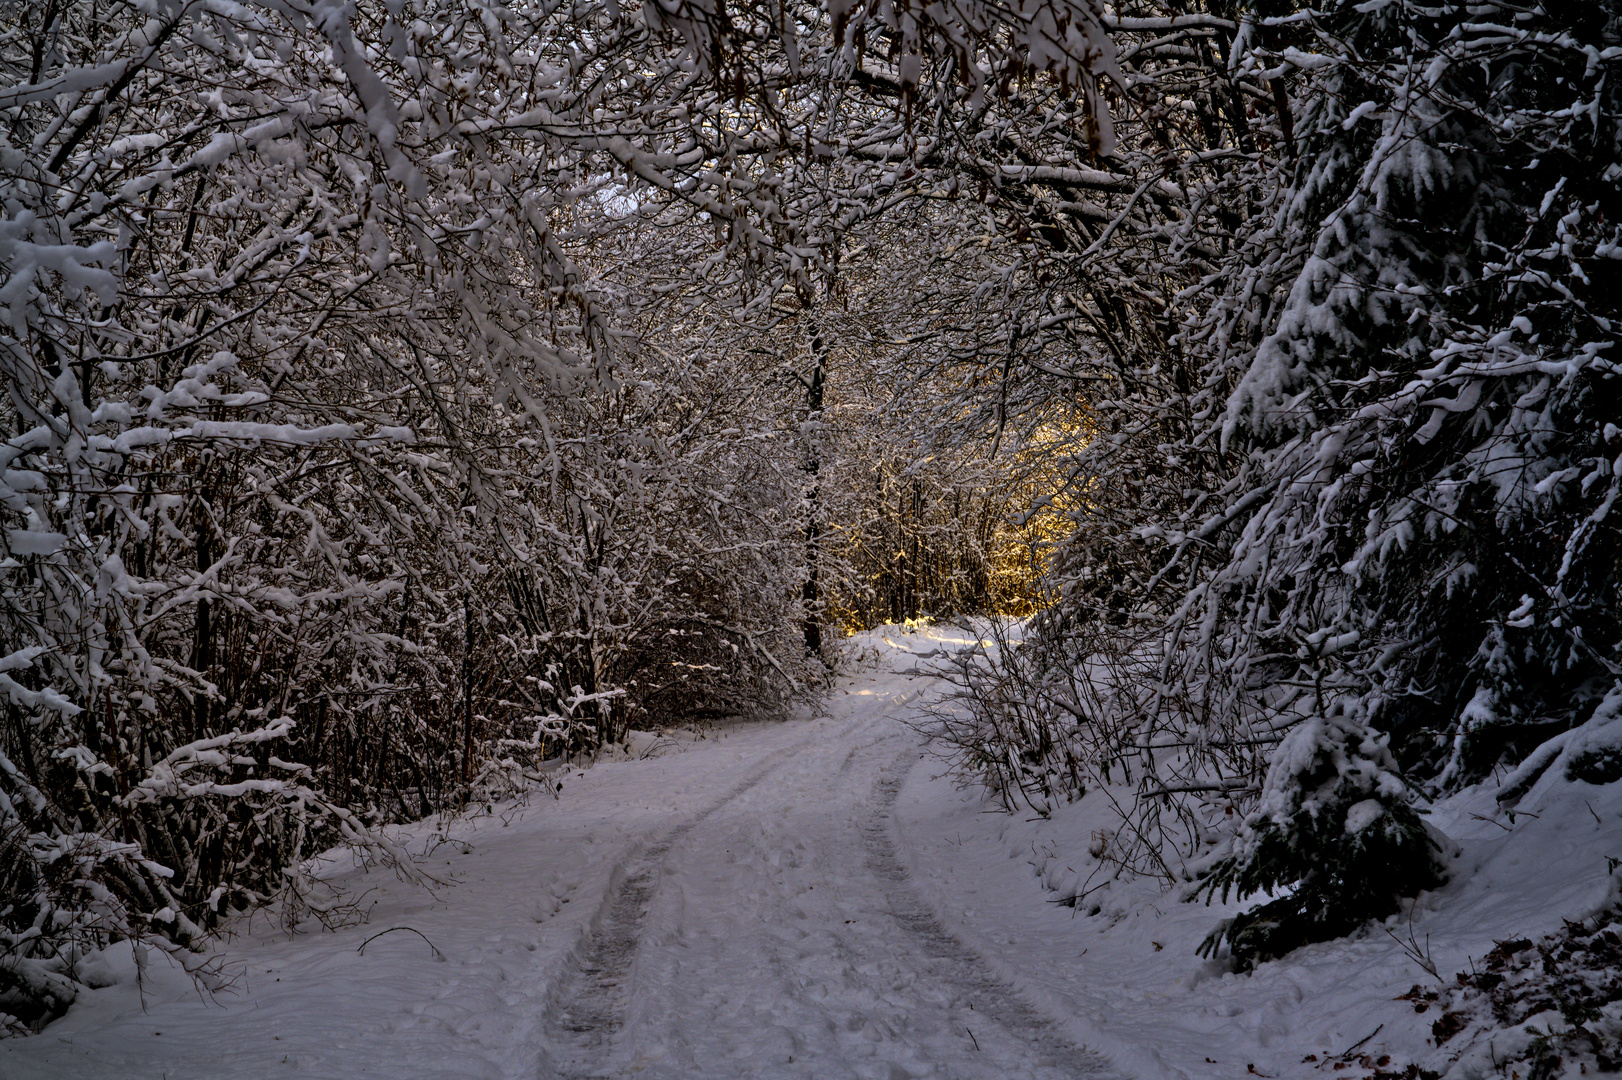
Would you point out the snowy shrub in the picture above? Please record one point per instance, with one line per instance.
(1333, 831)
(998, 732)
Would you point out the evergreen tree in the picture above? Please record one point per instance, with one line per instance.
(1422, 523)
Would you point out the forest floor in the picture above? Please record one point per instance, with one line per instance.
(816, 899)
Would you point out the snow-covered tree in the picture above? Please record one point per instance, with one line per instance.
(341, 471)
(308, 407)
(1420, 430)
(1360, 461)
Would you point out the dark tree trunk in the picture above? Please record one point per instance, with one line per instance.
(811, 592)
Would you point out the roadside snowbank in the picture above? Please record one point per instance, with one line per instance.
(1116, 955)
(459, 996)
(461, 989)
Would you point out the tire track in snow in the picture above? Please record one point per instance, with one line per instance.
(586, 1008)
(948, 958)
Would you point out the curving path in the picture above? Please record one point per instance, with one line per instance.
(776, 933)
(736, 906)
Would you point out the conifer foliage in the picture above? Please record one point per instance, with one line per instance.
(1333, 831)
(1391, 551)
(1424, 426)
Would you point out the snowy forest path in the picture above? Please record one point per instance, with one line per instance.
(727, 904)
(777, 933)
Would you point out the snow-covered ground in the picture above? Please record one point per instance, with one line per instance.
(808, 899)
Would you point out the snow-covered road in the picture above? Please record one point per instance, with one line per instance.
(777, 933)
(812, 898)
(735, 907)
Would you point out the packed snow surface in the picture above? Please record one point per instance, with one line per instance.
(809, 898)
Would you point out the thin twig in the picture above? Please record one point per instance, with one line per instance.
(1346, 1055)
(361, 948)
(1412, 949)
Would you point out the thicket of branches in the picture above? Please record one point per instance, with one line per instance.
(384, 412)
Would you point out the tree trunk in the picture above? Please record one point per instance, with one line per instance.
(811, 592)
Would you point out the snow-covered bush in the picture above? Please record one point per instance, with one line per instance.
(997, 731)
(194, 548)
(1333, 832)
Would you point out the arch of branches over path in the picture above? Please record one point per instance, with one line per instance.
(402, 393)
